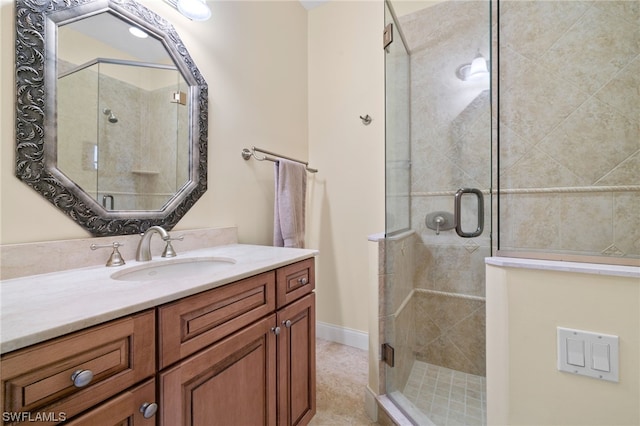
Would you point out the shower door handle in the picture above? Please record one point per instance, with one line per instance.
(458, 209)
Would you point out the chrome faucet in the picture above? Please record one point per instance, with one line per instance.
(143, 254)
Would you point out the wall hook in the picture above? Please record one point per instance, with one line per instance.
(366, 120)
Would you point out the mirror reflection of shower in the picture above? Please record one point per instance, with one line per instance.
(112, 117)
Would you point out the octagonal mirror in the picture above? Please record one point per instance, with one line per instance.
(111, 114)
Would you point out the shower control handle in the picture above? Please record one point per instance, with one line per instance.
(458, 210)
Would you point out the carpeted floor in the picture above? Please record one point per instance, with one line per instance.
(341, 380)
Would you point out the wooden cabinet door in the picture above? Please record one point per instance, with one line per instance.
(297, 362)
(229, 383)
(126, 409)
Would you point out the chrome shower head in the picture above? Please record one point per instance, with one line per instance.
(112, 117)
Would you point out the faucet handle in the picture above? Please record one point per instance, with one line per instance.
(116, 258)
(168, 249)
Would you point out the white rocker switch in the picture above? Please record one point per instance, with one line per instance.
(590, 354)
(575, 352)
(600, 357)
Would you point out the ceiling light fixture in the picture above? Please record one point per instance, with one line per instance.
(478, 69)
(196, 10)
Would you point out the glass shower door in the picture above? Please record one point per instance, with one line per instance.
(434, 286)
(397, 131)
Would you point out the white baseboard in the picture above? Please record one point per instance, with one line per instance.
(345, 336)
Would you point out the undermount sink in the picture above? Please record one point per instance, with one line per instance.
(175, 268)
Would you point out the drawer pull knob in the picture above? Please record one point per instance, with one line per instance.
(276, 330)
(81, 378)
(287, 323)
(303, 280)
(148, 409)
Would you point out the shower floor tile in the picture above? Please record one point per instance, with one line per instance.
(447, 397)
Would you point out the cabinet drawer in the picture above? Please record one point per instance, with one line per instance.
(295, 281)
(125, 409)
(195, 322)
(118, 354)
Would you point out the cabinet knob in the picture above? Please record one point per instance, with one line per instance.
(81, 378)
(287, 323)
(148, 409)
(303, 280)
(276, 330)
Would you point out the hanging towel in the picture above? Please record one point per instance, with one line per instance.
(289, 212)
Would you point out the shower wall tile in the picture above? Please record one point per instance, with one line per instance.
(583, 132)
(441, 30)
(531, 28)
(537, 169)
(469, 336)
(612, 43)
(530, 221)
(445, 311)
(626, 217)
(400, 334)
(582, 216)
(437, 173)
(534, 101)
(570, 119)
(399, 266)
(622, 9)
(77, 126)
(512, 148)
(451, 269)
(626, 173)
(477, 111)
(450, 332)
(404, 347)
(117, 141)
(396, 307)
(470, 145)
(617, 94)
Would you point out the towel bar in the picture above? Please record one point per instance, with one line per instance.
(248, 153)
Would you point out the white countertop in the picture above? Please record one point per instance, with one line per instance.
(554, 265)
(40, 307)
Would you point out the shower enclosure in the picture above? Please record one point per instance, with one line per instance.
(535, 154)
(106, 96)
(103, 143)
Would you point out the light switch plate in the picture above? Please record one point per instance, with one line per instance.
(600, 353)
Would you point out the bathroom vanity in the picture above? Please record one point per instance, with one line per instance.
(234, 347)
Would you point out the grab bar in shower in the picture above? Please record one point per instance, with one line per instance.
(458, 211)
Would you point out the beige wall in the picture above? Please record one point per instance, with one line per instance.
(253, 56)
(265, 90)
(524, 307)
(346, 79)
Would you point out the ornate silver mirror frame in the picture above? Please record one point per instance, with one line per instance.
(36, 119)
